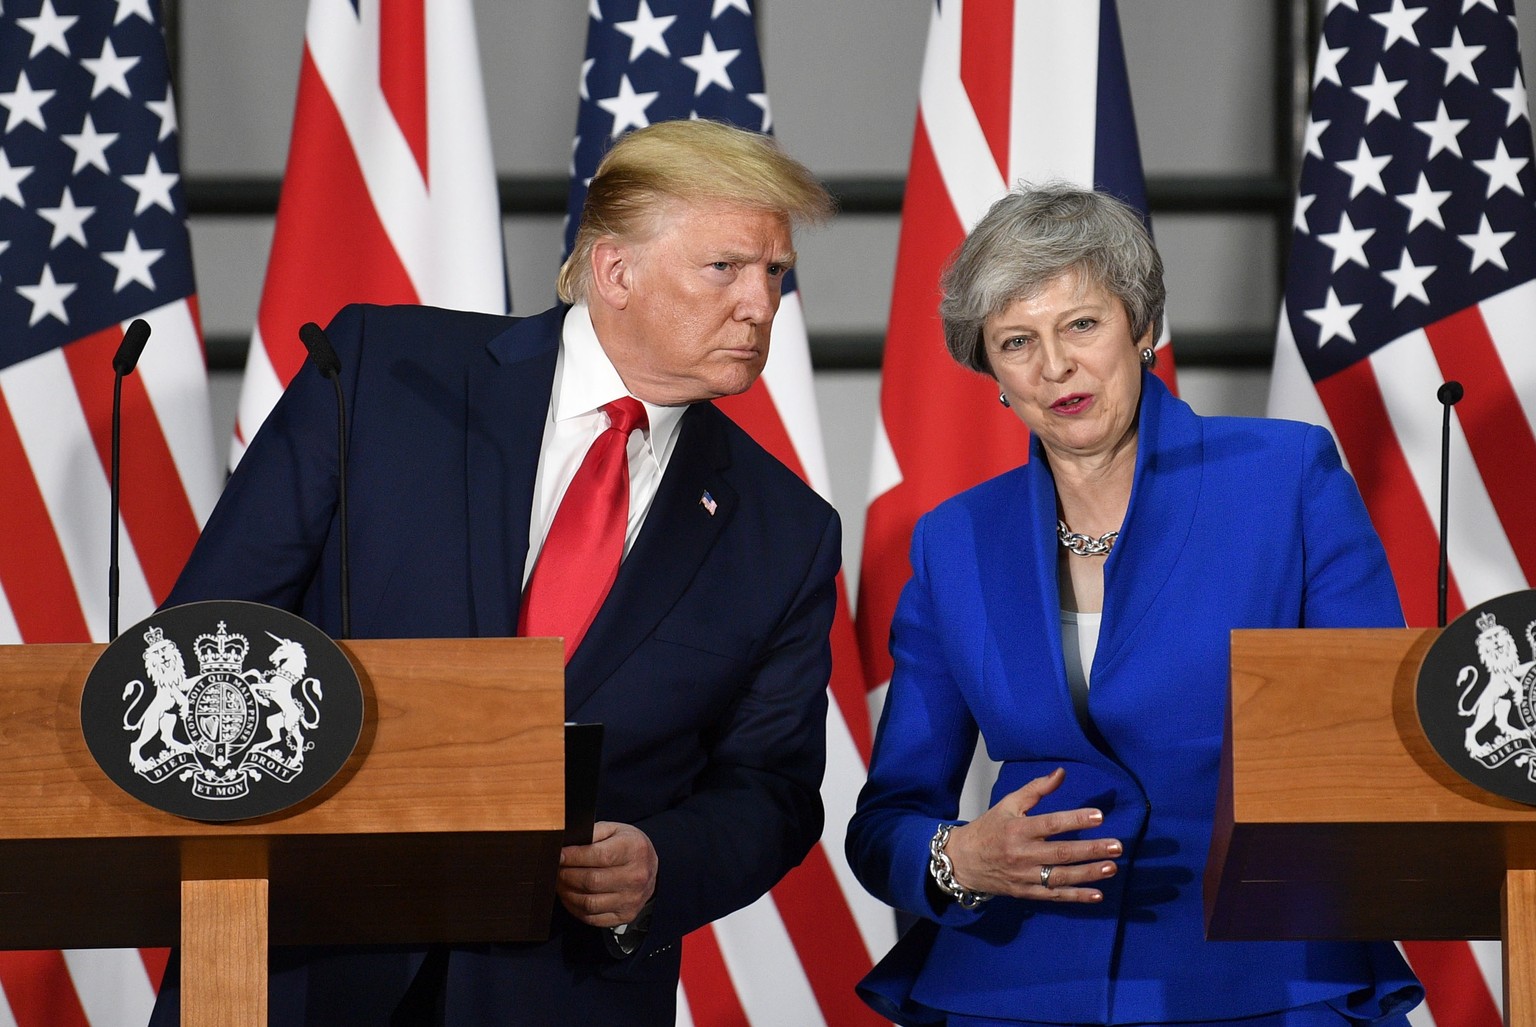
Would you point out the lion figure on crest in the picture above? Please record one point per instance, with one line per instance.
(168, 674)
(1504, 691)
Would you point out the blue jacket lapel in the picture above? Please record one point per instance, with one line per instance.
(1158, 521)
(507, 409)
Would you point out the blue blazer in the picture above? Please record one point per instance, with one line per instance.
(1232, 523)
(708, 662)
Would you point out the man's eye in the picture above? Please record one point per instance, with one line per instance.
(776, 270)
(721, 265)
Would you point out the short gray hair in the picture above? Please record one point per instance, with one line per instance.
(1035, 235)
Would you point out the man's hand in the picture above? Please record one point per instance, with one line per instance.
(607, 883)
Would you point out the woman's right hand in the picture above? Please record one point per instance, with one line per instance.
(1006, 851)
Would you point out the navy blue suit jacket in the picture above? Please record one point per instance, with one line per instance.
(707, 664)
(1232, 523)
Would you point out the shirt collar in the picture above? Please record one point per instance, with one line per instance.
(587, 380)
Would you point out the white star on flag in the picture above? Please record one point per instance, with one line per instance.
(111, 71)
(165, 110)
(11, 177)
(1380, 96)
(1314, 141)
(25, 104)
(1442, 131)
(1328, 59)
(1399, 24)
(709, 65)
(1503, 171)
(1513, 96)
(1423, 204)
(1458, 58)
(128, 8)
(1333, 318)
(721, 6)
(47, 297)
(646, 32)
(1487, 245)
(48, 29)
(90, 146)
(132, 263)
(1364, 170)
(153, 186)
(1299, 218)
(1408, 280)
(1348, 243)
(68, 219)
(628, 107)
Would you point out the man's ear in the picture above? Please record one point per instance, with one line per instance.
(611, 272)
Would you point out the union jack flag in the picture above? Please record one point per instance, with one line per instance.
(793, 956)
(92, 235)
(390, 191)
(1413, 254)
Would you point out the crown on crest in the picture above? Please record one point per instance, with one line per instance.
(154, 636)
(1486, 622)
(221, 651)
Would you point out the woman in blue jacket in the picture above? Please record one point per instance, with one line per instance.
(1076, 612)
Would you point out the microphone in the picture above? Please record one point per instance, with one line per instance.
(329, 365)
(123, 363)
(1449, 395)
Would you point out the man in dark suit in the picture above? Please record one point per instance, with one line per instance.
(707, 661)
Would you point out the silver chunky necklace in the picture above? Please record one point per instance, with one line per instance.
(1083, 545)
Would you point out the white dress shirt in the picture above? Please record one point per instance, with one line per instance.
(585, 381)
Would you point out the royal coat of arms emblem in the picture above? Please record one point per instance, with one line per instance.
(250, 720)
(1477, 696)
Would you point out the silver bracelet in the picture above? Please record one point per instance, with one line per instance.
(943, 871)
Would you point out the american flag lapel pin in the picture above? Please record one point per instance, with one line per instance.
(707, 501)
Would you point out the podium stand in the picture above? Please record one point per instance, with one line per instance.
(444, 825)
(1336, 818)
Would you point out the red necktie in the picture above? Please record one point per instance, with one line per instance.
(585, 543)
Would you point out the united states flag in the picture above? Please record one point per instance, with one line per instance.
(792, 957)
(1012, 90)
(390, 192)
(1412, 258)
(92, 235)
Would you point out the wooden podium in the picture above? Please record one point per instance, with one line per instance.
(444, 825)
(1336, 818)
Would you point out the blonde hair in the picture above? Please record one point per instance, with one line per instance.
(691, 162)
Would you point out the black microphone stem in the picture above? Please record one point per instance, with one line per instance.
(341, 501)
(1449, 395)
(116, 490)
(123, 362)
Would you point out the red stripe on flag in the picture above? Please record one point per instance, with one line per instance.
(758, 415)
(1496, 430)
(1455, 991)
(329, 247)
(33, 570)
(707, 982)
(1353, 401)
(945, 425)
(154, 504)
(986, 71)
(403, 70)
(39, 990)
(155, 962)
(827, 940)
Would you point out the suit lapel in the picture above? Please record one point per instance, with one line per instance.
(1158, 521)
(665, 558)
(506, 410)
